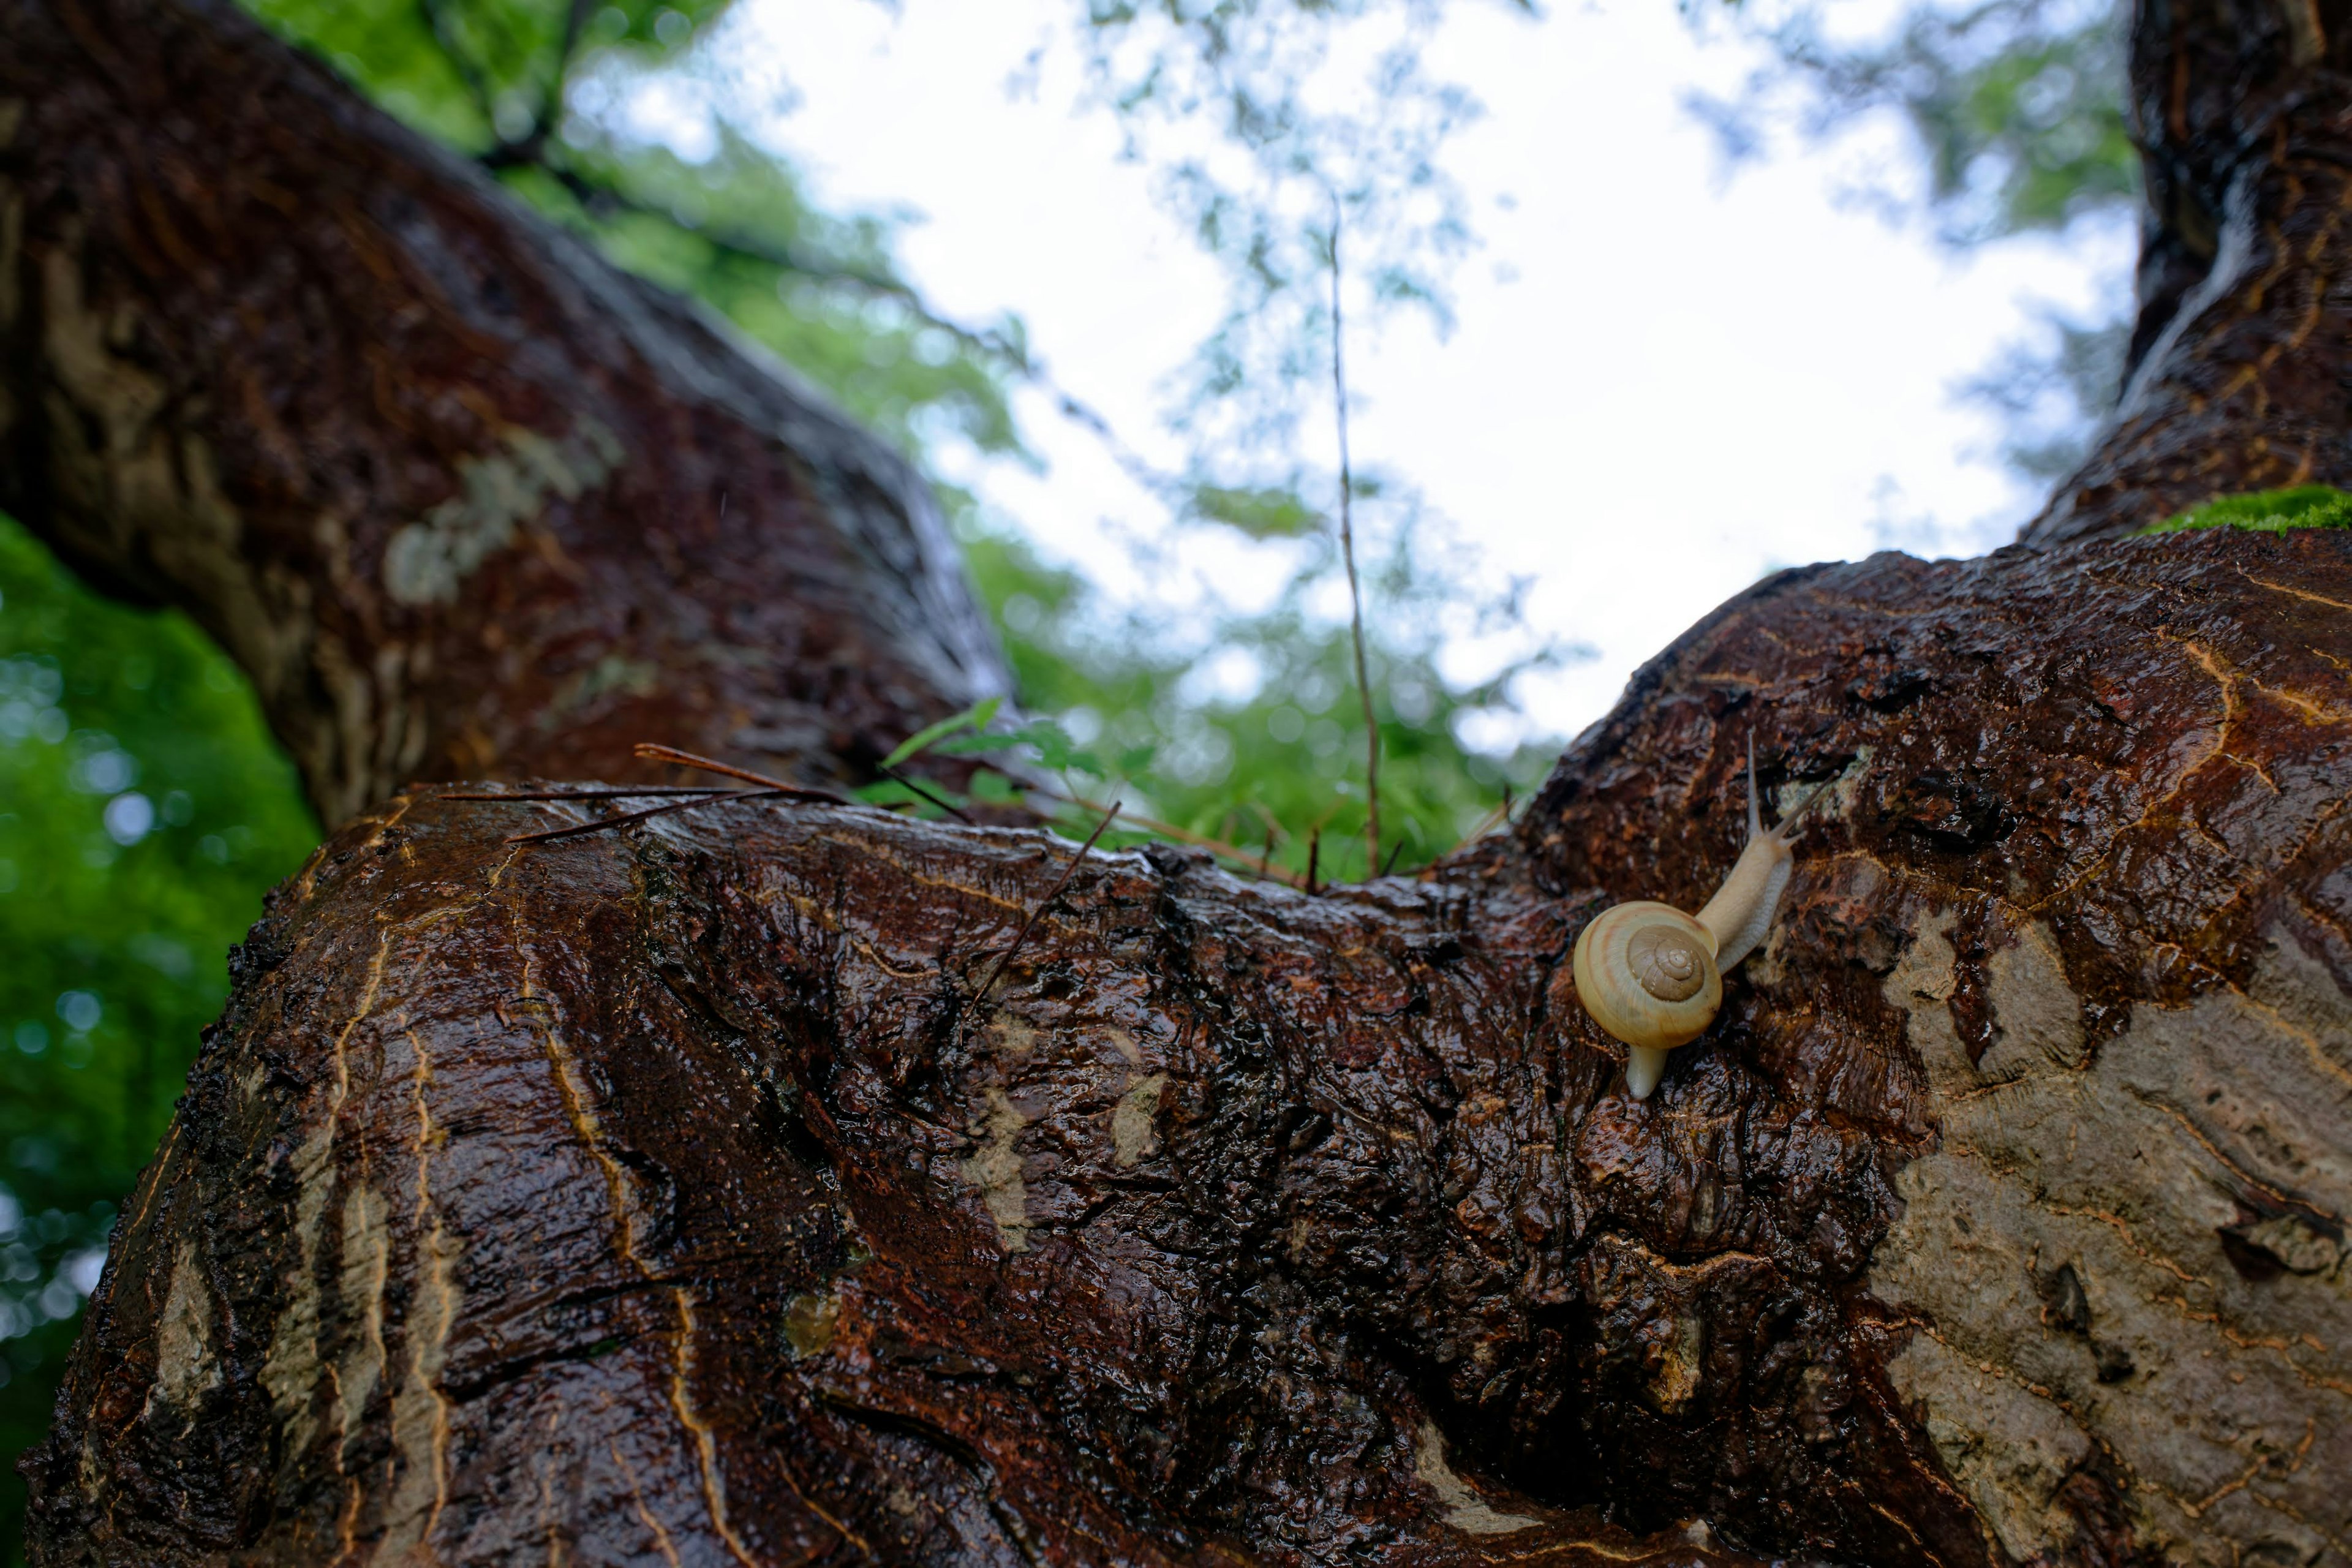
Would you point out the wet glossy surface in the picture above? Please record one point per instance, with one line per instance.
(463, 500)
(668, 1194)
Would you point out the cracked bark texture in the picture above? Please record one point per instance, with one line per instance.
(466, 501)
(671, 1195)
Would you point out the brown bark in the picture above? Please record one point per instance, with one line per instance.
(670, 1193)
(2242, 356)
(669, 1190)
(466, 501)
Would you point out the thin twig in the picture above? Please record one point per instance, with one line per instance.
(1347, 550)
(1314, 853)
(530, 149)
(894, 776)
(654, 753)
(550, 108)
(624, 820)
(536, 149)
(1395, 850)
(470, 71)
(1216, 847)
(600, 199)
(1027, 926)
(1497, 815)
(649, 791)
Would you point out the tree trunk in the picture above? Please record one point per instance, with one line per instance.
(740, 1187)
(2241, 358)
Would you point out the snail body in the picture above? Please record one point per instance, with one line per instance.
(1653, 976)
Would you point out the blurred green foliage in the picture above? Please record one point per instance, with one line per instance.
(143, 808)
(822, 292)
(2017, 105)
(143, 812)
(481, 74)
(735, 228)
(1247, 730)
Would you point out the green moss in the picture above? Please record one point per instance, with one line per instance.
(2266, 511)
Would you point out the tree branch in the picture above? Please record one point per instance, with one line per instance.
(565, 515)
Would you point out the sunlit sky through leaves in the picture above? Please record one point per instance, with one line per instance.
(1667, 378)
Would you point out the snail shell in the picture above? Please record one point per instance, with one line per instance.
(1646, 973)
(1653, 976)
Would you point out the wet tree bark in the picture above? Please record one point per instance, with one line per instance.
(729, 1189)
(465, 500)
(2242, 356)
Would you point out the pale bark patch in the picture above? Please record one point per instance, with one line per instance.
(499, 494)
(185, 1367)
(2009, 1449)
(811, 1321)
(2133, 1250)
(1134, 1132)
(1012, 1036)
(995, 1170)
(1465, 1511)
(366, 1268)
(291, 1370)
(420, 1412)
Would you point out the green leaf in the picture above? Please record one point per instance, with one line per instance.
(994, 788)
(979, 745)
(972, 718)
(891, 793)
(1265, 513)
(1056, 750)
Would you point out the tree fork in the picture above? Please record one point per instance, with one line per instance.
(662, 1193)
(653, 1186)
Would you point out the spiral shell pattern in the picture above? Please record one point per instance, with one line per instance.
(1669, 961)
(1646, 973)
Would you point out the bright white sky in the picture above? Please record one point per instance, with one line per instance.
(1664, 381)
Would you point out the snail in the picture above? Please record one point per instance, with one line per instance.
(1653, 976)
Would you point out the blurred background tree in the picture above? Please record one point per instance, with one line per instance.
(146, 810)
